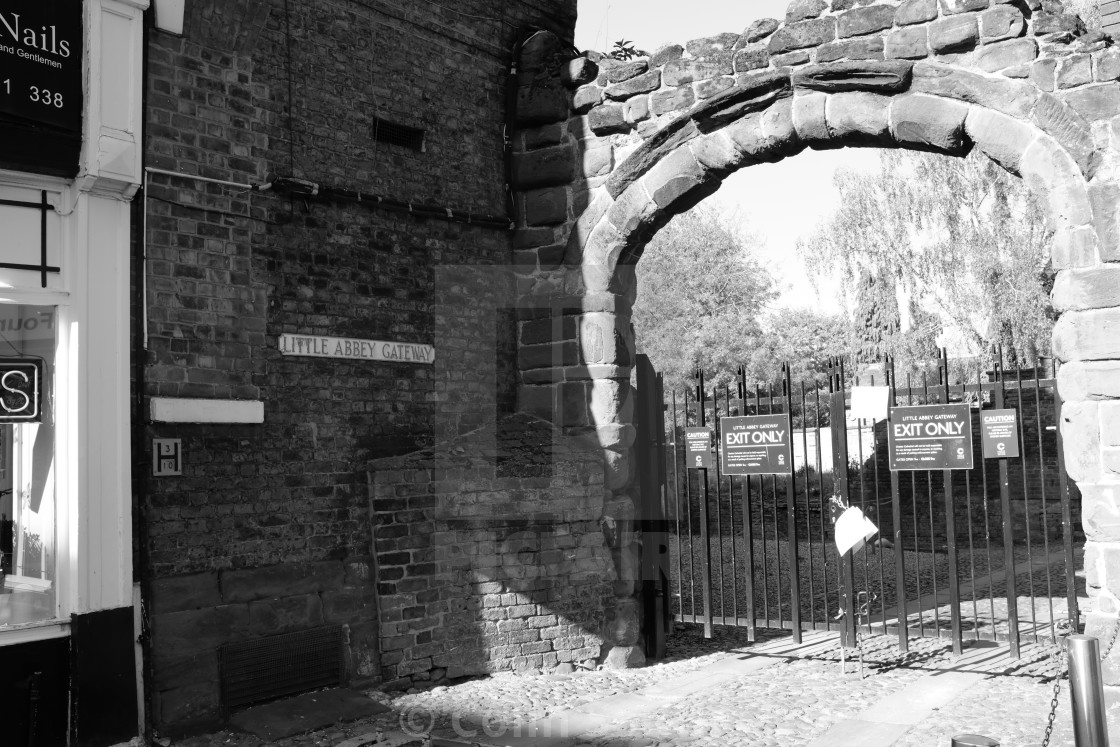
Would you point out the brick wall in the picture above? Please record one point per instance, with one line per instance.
(490, 555)
(268, 530)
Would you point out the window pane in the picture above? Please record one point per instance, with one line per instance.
(27, 459)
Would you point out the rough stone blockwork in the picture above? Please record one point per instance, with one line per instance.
(269, 529)
(1023, 82)
(490, 554)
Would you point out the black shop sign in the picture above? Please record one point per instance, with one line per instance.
(930, 437)
(755, 445)
(21, 382)
(41, 85)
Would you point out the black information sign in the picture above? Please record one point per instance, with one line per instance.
(755, 445)
(999, 433)
(930, 437)
(698, 448)
(41, 85)
(21, 381)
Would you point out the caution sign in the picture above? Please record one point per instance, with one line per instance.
(755, 445)
(930, 437)
(999, 434)
(698, 448)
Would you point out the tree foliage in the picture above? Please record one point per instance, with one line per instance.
(956, 242)
(701, 295)
(805, 338)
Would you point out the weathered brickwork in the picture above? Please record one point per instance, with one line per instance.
(1024, 83)
(253, 93)
(490, 554)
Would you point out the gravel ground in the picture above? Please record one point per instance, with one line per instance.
(791, 702)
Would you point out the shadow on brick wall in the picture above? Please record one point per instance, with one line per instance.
(490, 555)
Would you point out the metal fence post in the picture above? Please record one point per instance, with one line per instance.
(1086, 692)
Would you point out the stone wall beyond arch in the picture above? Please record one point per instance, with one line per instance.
(606, 151)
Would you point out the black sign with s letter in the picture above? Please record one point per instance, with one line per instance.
(21, 381)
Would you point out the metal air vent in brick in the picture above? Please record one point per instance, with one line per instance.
(398, 134)
(269, 668)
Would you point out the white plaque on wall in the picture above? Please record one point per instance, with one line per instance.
(318, 346)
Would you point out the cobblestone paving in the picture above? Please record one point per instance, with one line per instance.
(790, 702)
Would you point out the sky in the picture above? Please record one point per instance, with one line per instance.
(779, 201)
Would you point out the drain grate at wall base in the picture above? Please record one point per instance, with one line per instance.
(269, 668)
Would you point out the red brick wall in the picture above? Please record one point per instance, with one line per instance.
(490, 556)
(248, 93)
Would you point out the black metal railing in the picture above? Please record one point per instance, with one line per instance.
(988, 552)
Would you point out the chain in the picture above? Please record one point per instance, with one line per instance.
(1061, 663)
(1064, 627)
(1111, 643)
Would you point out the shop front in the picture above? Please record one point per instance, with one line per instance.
(70, 146)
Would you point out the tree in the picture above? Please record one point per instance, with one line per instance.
(960, 239)
(701, 295)
(804, 338)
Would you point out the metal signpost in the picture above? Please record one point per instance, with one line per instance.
(698, 455)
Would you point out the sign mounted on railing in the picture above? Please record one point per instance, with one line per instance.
(41, 85)
(930, 437)
(755, 445)
(698, 448)
(21, 381)
(999, 434)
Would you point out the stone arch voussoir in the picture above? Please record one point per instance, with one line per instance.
(638, 141)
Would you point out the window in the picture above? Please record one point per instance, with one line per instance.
(28, 591)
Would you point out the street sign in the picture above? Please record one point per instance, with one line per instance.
(21, 381)
(755, 445)
(698, 448)
(924, 437)
(999, 433)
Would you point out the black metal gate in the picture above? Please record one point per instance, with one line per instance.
(987, 553)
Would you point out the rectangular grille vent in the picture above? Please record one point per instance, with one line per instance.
(273, 667)
(398, 134)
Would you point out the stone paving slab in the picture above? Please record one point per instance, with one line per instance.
(304, 713)
(859, 733)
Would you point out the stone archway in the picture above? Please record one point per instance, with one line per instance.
(607, 151)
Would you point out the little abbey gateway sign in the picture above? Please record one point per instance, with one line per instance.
(607, 151)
